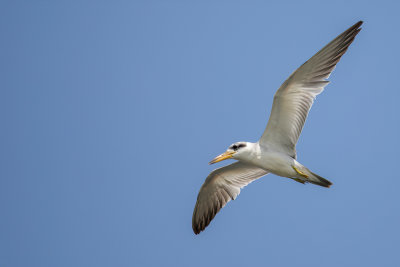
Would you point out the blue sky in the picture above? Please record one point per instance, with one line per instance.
(111, 110)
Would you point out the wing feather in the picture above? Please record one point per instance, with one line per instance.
(219, 188)
(296, 95)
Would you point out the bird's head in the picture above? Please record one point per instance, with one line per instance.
(237, 150)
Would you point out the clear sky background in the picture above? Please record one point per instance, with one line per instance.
(111, 110)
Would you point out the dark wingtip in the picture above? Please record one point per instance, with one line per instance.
(196, 230)
(357, 25)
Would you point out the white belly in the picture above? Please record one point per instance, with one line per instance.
(276, 163)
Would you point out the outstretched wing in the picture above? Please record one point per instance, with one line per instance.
(220, 187)
(296, 95)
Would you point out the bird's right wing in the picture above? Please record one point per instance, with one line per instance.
(220, 187)
(295, 97)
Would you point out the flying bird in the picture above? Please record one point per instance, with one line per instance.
(275, 152)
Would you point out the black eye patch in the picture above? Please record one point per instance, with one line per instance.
(236, 147)
(241, 145)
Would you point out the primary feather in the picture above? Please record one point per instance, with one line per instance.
(221, 186)
(296, 95)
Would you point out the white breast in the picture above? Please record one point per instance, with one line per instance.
(275, 162)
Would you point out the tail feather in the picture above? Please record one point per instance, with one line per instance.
(318, 180)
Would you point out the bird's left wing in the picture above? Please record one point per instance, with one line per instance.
(294, 98)
(220, 187)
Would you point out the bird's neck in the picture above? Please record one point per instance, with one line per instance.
(251, 154)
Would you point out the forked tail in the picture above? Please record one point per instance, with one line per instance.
(318, 180)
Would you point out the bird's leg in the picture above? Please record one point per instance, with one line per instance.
(299, 172)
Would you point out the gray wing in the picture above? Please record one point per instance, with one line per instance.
(296, 95)
(220, 187)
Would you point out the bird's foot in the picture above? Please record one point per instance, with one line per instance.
(299, 172)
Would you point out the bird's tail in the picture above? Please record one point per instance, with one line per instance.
(318, 180)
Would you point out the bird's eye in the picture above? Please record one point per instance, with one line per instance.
(235, 147)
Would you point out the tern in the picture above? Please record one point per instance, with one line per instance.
(275, 152)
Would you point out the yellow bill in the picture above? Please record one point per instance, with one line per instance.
(223, 156)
